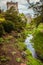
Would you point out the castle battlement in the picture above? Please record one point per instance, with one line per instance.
(12, 4)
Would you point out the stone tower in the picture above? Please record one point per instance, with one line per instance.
(28, 1)
(12, 4)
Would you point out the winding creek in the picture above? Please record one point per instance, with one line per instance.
(29, 45)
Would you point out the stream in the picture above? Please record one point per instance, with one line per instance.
(30, 46)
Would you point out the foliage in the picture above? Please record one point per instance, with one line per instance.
(37, 7)
(38, 11)
(4, 59)
(8, 26)
(2, 19)
(16, 19)
(18, 60)
(36, 21)
(1, 40)
(21, 46)
(38, 41)
(1, 29)
(28, 53)
(32, 61)
(12, 20)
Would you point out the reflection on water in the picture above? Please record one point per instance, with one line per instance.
(29, 45)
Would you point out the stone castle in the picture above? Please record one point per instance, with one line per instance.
(12, 4)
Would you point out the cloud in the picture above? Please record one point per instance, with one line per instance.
(34, 0)
(22, 1)
(3, 3)
(23, 5)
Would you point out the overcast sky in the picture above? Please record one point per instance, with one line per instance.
(23, 5)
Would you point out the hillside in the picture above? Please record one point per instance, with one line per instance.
(13, 32)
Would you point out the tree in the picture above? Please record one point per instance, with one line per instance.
(16, 19)
(38, 11)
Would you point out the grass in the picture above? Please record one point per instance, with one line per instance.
(31, 60)
(21, 46)
(1, 41)
(38, 41)
(18, 60)
(4, 59)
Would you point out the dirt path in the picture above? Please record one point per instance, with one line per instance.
(12, 53)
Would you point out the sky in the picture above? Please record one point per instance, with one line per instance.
(22, 5)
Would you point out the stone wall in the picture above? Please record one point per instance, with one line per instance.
(10, 4)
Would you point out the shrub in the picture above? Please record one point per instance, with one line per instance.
(8, 26)
(1, 30)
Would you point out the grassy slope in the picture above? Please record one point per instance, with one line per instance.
(38, 41)
(10, 46)
(18, 46)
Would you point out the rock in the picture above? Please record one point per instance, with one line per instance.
(24, 54)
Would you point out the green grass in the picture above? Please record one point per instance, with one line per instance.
(21, 46)
(38, 44)
(4, 58)
(1, 40)
(32, 61)
(38, 41)
(18, 60)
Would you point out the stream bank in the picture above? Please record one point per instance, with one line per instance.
(29, 45)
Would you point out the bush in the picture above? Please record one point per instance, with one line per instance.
(8, 26)
(1, 30)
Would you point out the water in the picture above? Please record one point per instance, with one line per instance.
(29, 45)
